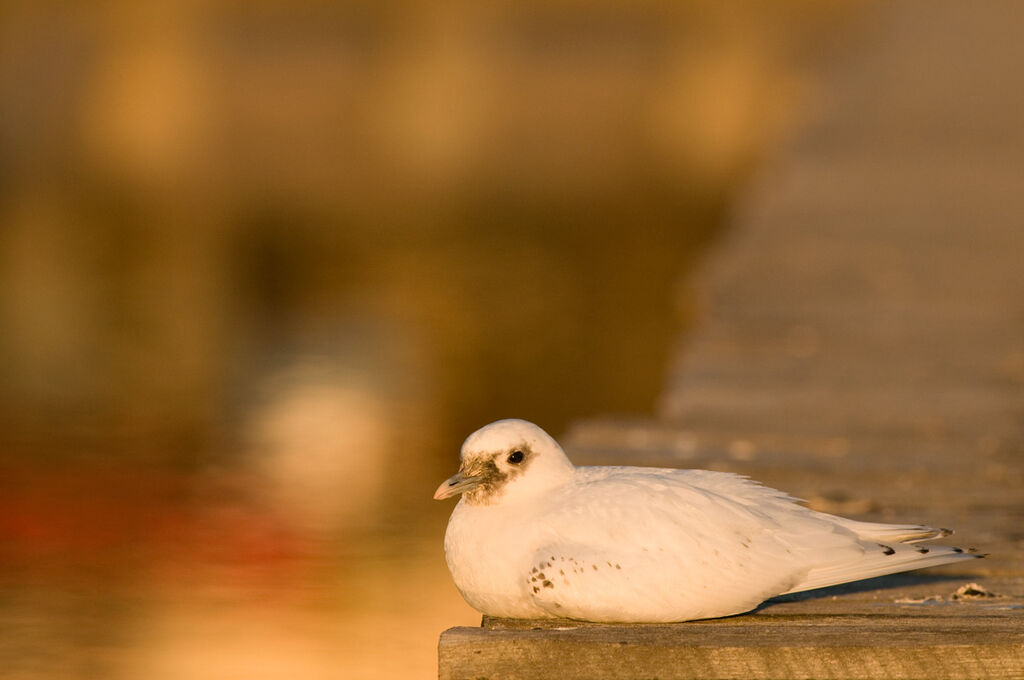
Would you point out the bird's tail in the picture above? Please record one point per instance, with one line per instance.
(888, 549)
(900, 533)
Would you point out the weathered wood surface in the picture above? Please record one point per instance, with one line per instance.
(863, 348)
(978, 644)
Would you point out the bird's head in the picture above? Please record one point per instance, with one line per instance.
(505, 461)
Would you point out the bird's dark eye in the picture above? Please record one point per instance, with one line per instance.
(515, 457)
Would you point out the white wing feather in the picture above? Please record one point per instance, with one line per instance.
(670, 545)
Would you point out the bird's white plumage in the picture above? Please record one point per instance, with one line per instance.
(535, 537)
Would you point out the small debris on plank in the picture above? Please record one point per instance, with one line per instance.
(973, 591)
(931, 599)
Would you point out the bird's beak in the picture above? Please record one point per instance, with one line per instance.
(456, 484)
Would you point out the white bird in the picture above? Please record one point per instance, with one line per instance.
(535, 537)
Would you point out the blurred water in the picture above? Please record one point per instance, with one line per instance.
(263, 267)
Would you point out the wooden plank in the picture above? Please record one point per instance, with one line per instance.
(979, 644)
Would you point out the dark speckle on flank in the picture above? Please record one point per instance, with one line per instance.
(617, 566)
(548, 584)
(536, 589)
(594, 566)
(886, 549)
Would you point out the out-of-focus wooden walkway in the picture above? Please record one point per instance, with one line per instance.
(863, 348)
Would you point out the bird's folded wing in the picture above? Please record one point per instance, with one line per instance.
(580, 582)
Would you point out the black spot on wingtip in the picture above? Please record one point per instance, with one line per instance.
(923, 551)
(888, 550)
(958, 550)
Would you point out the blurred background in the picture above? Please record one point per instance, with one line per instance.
(264, 265)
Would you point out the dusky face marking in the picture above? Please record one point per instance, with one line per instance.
(495, 469)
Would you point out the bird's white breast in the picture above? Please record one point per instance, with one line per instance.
(488, 550)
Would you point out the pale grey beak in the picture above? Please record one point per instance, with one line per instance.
(456, 484)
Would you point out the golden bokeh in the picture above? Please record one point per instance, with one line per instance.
(263, 265)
